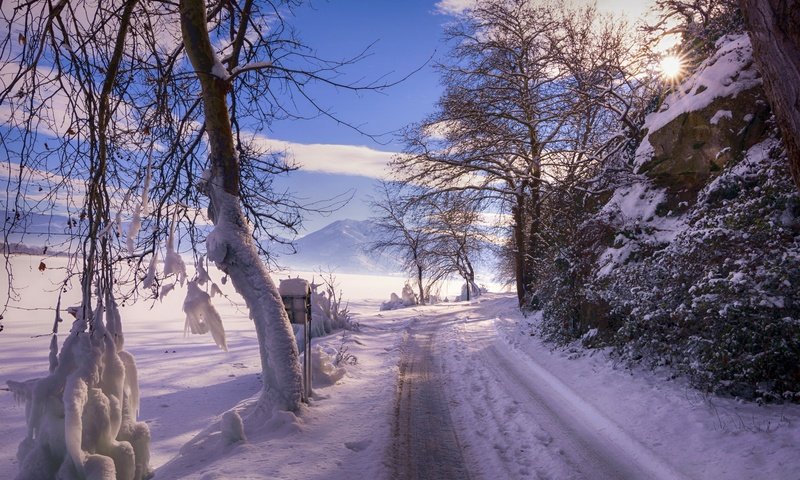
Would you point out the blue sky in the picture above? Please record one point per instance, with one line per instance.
(405, 34)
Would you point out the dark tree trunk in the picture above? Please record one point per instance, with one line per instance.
(774, 27)
(520, 244)
(469, 278)
(420, 285)
(532, 248)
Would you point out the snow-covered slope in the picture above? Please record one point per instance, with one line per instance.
(694, 261)
(341, 246)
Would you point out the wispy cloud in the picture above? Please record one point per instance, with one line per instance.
(454, 7)
(332, 158)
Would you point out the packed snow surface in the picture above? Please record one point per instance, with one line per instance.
(520, 409)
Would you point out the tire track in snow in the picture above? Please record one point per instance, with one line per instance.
(527, 424)
(425, 444)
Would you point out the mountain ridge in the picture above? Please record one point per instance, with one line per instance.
(341, 246)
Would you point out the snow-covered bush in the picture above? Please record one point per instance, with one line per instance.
(719, 302)
(474, 292)
(81, 418)
(722, 301)
(326, 370)
(408, 299)
(692, 258)
(328, 309)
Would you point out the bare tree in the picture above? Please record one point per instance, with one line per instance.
(402, 230)
(698, 22)
(453, 221)
(528, 92)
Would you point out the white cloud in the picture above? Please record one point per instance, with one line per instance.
(454, 7)
(494, 219)
(438, 131)
(334, 159)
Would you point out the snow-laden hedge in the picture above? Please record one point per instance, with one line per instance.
(717, 298)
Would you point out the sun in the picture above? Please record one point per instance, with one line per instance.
(671, 67)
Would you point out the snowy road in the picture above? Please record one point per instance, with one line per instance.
(424, 442)
(529, 424)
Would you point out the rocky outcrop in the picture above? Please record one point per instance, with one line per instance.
(707, 122)
(693, 148)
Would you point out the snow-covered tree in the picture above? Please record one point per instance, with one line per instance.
(136, 121)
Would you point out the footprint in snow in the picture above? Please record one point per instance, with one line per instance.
(358, 446)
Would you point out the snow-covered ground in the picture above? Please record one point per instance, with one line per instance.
(665, 428)
(499, 381)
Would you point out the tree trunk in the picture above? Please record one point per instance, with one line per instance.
(519, 245)
(774, 27)
(472, 286)
(468, 274)
(230, 244)
(420, 285)
(532, 247)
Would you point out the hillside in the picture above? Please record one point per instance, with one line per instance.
(693, 260)
(341, 247)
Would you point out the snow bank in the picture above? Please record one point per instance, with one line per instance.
(408, 299)
(702, 435)
(324, 372)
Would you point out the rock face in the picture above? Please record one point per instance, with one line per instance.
(708, 121)
(691, 149)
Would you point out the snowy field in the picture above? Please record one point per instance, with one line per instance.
(494, 373)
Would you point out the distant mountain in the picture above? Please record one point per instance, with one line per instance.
(341, 246)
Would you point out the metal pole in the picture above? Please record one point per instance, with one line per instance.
(307, 358)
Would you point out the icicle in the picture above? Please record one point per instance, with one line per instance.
(202, 274)
(151, 270)
(165, 289)
(22, 391)
(173, 263)
(97, 318)
(114, 321)
(118, 222)
(112, 384)
(201, 316)
(131, 381)
(146, 187)
(54, 341)
(140, 210)
(53, 357)
(75, 396)
(133, 228)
